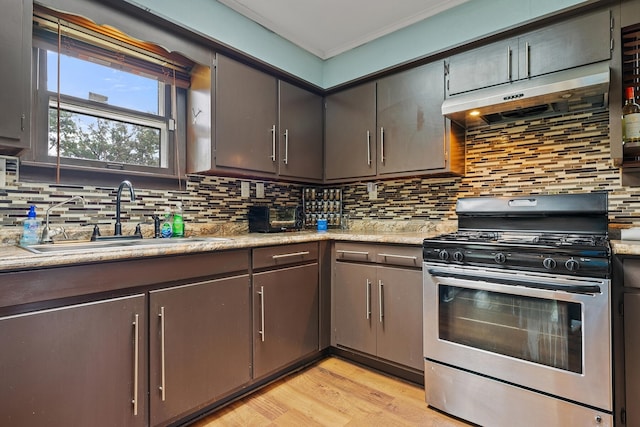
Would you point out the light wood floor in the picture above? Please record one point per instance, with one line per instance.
(333, 392)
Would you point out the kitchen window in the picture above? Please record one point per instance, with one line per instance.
(105, 102)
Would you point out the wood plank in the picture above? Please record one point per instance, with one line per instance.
(333, 392)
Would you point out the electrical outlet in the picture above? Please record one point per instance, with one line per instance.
(260, 190)
(372, 188)
(245, 189)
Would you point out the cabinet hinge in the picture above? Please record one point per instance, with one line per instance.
(623, 416)
(22, 119)
(446, 68)
(214, 61)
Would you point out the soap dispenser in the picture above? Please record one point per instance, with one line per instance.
(30, 228)
(166, 230)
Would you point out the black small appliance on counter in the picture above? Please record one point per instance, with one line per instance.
(267, 219)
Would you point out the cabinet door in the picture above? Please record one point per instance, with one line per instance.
(82, 365)
(583, 40)
(485, 66)
(350, 133)
(300, 133)
(400, 317)
(410, 123)
(15, 74)
(200, 345)
(285, 317)
(632, 356)
(355, 301)
(245, 117)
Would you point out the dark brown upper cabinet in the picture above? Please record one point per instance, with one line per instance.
(413, 136)
(260, 126)
(245, 127)
(350, 133)
(15, 74)
(392, 128)
(579, 41)
(299, 133)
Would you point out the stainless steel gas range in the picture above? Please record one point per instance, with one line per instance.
(517, 322)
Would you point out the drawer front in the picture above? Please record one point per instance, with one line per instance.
(407, 256)
(355, 252)
(401, 255)
(275, 256)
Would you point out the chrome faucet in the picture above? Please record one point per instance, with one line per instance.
(125, 183)
(47, 232)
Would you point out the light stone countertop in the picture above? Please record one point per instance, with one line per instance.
(625, 247)
(14, 258)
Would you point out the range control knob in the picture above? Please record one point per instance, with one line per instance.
(549, 263)
(458, 256)
(500, 258)
(572, 265)
(443, 255)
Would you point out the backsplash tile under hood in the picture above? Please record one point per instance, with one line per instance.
(559, 154)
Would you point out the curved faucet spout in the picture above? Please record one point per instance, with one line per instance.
(125, 183)
(47, 232)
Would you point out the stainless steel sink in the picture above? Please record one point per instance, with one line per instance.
(62, 246)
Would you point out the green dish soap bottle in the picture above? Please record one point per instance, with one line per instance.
(178, 221)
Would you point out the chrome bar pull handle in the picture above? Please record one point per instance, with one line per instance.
(509, 69)
(368, 299)
(413, 258)
(286, 146)
(136, 361)
(369, 148)
(292, 254)
(343, 252)
(381, 299)
(261, 331)
(381, 145)
(527, 57)
(163, 383)
(273, 143)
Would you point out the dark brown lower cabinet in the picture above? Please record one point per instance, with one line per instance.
(285, 307)
(81, 365)
(378, 311)
(354, 299)
(200, 345)
(631, 356)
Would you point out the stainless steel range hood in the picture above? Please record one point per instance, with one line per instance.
(567, 91)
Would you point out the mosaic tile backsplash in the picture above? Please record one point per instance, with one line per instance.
(561, 154)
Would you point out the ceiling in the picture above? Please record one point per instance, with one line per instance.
(329, 27)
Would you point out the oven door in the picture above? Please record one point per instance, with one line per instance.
(541, 331)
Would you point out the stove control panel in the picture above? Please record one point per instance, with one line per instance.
(595, 264)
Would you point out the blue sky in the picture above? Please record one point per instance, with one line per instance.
(123, 89)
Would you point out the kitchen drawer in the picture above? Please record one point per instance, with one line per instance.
(275, 256)
(355, 252)
(407, 256)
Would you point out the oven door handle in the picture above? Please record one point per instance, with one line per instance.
(574, 289)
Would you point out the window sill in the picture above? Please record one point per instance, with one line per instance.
(80, 176)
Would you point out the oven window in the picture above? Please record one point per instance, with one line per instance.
(543, 331)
